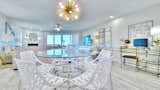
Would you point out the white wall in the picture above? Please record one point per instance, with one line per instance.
(120, 25)
(22, 27)
(76, 38)
(20, 34)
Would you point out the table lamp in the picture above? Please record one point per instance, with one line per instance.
(155, 31)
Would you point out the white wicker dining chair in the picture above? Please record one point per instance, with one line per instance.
(30, 55)
(100, 79)
(47, 72)
(29, 76)
(103, 54)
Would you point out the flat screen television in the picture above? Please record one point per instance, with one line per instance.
(142, 42)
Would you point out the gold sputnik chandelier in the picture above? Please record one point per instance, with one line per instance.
(68, 10)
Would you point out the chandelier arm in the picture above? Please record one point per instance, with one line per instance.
(67, 3)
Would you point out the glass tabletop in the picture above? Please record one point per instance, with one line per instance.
(68, 70)
(62, 53)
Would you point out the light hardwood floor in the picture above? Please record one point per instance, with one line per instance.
(128, 78)
(125, 78)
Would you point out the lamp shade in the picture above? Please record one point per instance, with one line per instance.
(155, 30)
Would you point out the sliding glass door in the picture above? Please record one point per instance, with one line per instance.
(57, 40)
(50, 40)
(62, 40)
(67, 39)
(87, 40)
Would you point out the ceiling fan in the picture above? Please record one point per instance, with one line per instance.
(58, 27)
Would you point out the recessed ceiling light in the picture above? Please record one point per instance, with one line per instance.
(111, 17)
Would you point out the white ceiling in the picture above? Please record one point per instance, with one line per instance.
(43, 12)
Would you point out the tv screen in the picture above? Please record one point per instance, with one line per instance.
(141, 42)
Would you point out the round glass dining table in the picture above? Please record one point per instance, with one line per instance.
(62, 53)
(69, 68)
(67, 71)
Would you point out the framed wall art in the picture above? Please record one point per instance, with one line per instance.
(142, 29)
